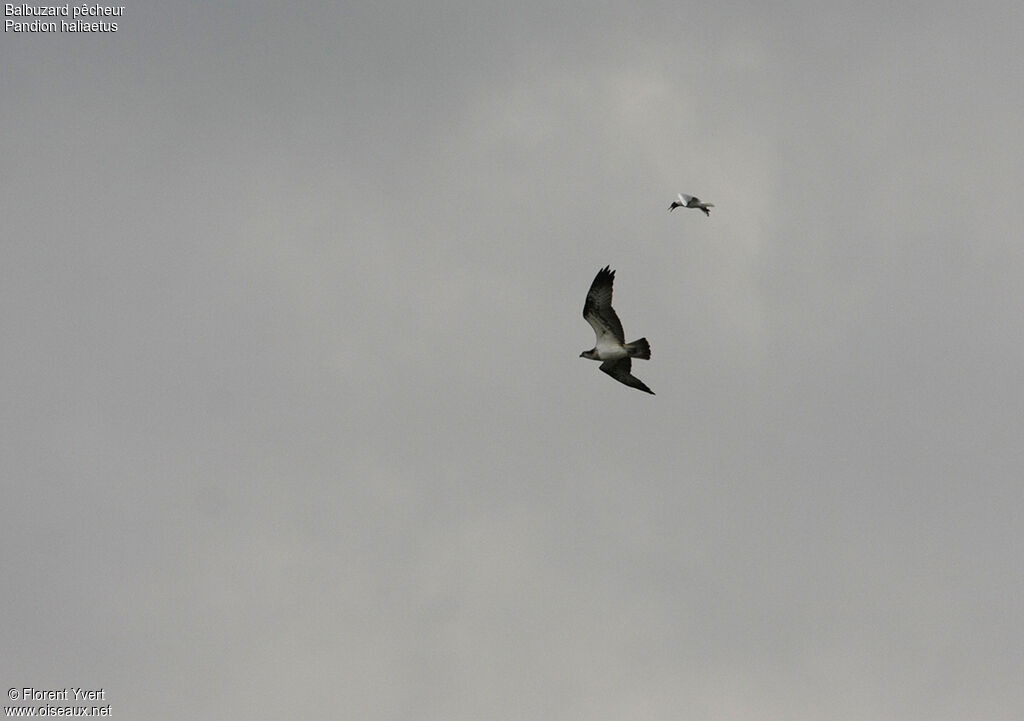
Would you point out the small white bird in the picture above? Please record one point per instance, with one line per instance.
(611, 347)
(688, 201)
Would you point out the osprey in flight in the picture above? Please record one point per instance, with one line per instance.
(688, 201)
(611, 346)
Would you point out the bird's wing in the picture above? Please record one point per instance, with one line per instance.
(686, 198)
(598, 311)
(620, 371)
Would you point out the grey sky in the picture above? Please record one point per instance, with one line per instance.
(293, 419)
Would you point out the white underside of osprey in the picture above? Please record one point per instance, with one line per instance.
(610, 350)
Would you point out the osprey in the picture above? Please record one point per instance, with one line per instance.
(688, 201)
(611, 346)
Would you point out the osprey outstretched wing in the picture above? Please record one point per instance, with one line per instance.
(620, 371)
(611, 347)
(598, 311)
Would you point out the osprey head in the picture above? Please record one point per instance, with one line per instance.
(591, 354)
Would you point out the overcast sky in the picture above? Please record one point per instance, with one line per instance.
(294, 423)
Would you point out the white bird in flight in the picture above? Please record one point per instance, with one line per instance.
(611, 347)
(688, 201)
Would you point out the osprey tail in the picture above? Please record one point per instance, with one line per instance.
(639, 349)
